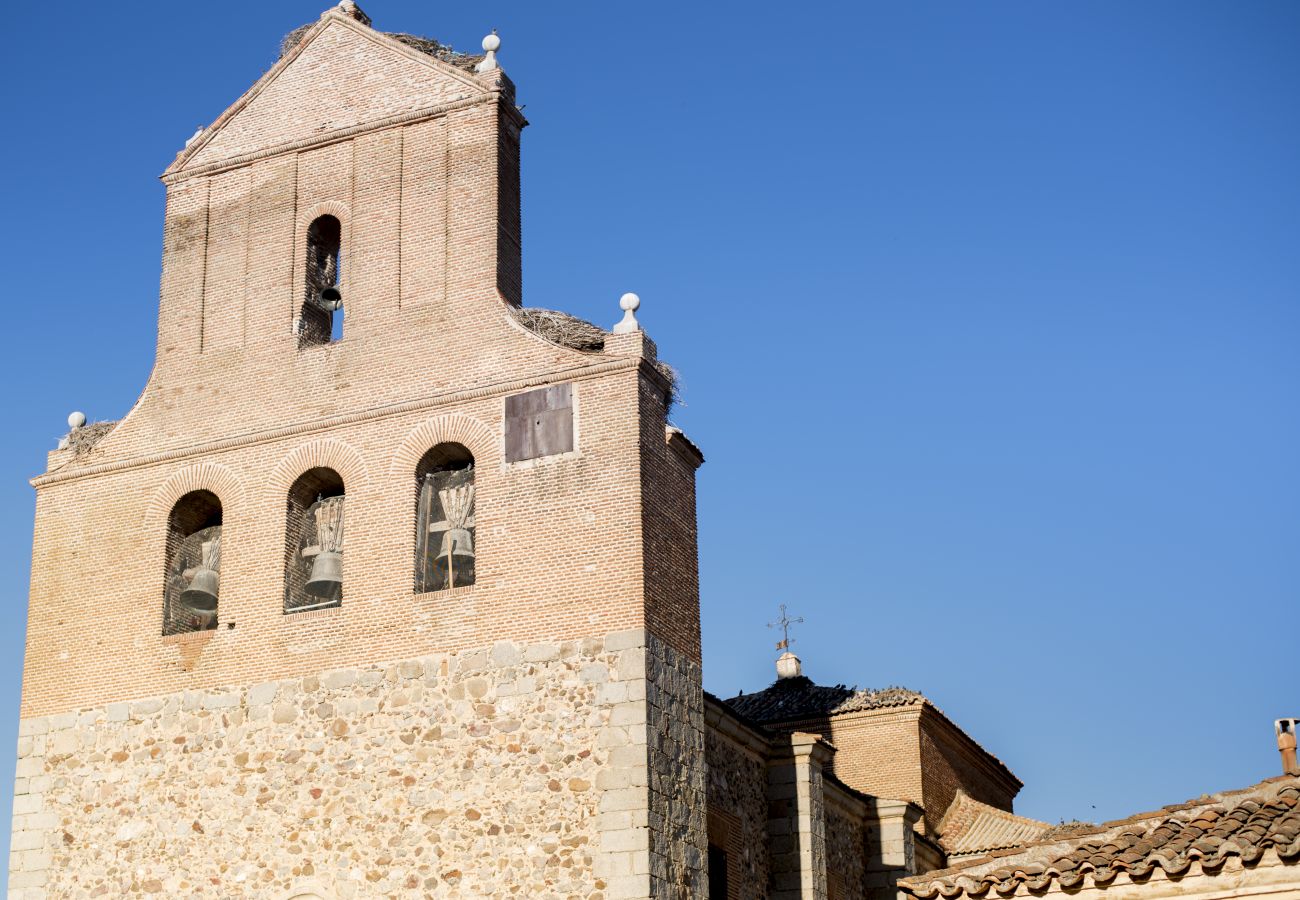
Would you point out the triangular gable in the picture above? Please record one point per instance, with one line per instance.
(341, 74)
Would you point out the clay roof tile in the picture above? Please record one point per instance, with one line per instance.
(1207, 831)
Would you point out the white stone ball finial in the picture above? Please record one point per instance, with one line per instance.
(629, 303)
(76, 419)
(491, 44)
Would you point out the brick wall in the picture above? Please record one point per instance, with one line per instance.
(419, 162)
(950, 762)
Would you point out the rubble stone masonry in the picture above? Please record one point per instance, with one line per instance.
(511, 770)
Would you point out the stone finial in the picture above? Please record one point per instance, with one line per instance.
(350, 9)
(629, 303)
(198, 132)
(491, 44)
(76, 419)
(788, 666)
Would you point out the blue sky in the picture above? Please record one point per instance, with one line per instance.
(988, 313)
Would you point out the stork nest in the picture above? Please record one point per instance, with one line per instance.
(81, 440)
(562, 328)
(425, 45)
(579, 334)
(437, 50)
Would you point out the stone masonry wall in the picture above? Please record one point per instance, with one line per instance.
(486, 773)
(675, 714)
(738, 790)
(846, 851)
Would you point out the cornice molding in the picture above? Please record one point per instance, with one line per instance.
(430, 112)
(580, 373)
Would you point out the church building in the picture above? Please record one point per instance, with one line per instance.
(397, 582)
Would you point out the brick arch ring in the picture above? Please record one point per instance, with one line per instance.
(335, 208)
(476, 437)
(326, 454)
(204, 477)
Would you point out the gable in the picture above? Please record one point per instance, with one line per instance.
(341, 76)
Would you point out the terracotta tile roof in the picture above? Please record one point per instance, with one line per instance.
(1207, 831)
(971, 828)
(800, 698)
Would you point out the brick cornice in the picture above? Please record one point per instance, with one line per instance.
(380, 412)
(333, 137)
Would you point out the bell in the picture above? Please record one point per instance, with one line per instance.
(201, 595)
(459, 541)
(326, 579)
(331, 298)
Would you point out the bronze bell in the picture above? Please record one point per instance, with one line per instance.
(201, 595)
(326, 579)
(331, 298)
(459, 540)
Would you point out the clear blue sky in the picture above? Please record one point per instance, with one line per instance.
(987, 316)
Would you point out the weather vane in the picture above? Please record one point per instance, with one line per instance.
(784, 624)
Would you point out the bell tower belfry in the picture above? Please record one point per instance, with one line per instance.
(397, 588)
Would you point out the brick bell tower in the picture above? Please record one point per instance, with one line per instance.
(395, 587)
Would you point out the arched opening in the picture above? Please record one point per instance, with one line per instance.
(444, 519)
(193, 571)
(322, 309)
(313, 555)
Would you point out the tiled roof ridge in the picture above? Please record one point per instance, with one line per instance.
(966, 824)
(826, 699)
(771, 705)
(1242, 823)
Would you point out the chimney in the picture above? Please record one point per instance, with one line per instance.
(1285, 729)
(788, 666)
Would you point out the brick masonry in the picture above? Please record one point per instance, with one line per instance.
(578, 644)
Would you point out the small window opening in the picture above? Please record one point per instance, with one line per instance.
(322, 309)
(717, 872)
(444, 519)
(193, 573)
(314, 542)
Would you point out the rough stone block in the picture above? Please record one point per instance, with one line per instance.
(339, 678)
(625, 640)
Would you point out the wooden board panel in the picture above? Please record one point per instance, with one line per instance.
(539, 423)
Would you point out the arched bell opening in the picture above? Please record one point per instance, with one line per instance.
(321, 320)
(192, 584)
(444, 519)
(314, 537)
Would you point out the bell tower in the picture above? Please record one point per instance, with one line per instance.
(397, 585)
